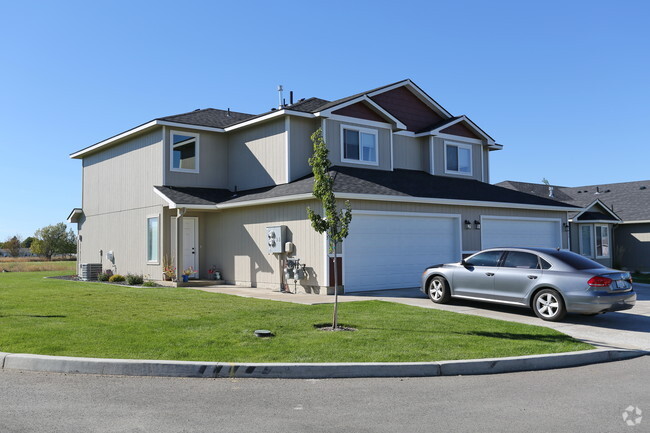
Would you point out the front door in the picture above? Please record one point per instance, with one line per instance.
(190, 247)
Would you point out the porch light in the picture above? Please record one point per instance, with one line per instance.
(477, 224)
(468, 224)
(566, 227)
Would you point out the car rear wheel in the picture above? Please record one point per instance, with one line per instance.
(549, 305)
(439, 290)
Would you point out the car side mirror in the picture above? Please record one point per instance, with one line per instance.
(463, 263)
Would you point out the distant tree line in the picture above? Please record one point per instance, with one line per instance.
(47, 242)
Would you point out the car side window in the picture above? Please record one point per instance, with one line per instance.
(521, 260)
(487, 258)
(545, 264)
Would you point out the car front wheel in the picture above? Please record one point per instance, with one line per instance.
(439, 290)
(549, 305)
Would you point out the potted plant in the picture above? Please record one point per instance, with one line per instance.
(186, 274)
(214, 274)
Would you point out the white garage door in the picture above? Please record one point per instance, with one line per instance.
(390, 250)
(520, 232)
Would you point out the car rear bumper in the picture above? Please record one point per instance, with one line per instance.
(600, 302)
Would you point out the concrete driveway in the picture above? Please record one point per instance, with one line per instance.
(627, 329)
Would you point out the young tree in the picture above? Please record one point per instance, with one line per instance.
(54, 239)
(13, 246)
(336, 221)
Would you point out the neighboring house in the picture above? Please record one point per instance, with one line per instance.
(613, 226)
(24, 252)
(204, 187)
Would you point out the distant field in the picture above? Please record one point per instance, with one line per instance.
(36, 264)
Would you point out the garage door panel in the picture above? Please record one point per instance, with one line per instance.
(391, 251)
(499, 232)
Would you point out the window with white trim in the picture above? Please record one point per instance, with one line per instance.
(602, 241)
(359, 145)
(586, 240)
(184, 152)
(152, 239)
(458, 158)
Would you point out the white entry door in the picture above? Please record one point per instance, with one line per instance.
(190, 244)
(389, 250)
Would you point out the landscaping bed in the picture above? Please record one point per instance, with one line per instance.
(58, 317)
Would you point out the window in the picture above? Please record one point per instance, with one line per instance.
(185, 152)
(458, 158)
(602, 241)
(359, 145)
(488, 258)
(521, 260)
(152, 239)
(586, 240)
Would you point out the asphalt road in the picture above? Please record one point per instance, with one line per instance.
(584, 399)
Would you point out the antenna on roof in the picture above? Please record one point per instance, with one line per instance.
(280, 96)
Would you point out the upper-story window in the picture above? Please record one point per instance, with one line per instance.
(184, 152)
(359, 145)
(458, 158)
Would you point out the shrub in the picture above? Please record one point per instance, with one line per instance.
(103, 277)
(134, 280)
(117, 278)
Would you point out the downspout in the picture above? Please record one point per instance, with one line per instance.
(180, 212)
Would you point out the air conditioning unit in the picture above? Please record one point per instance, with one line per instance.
(89, 271)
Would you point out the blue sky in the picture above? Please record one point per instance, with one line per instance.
(563, 85)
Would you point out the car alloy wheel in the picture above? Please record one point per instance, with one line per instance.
(439, 290)
(548, 305)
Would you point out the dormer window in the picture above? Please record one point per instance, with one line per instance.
(458, 158)
(359, 145)
(184, 152)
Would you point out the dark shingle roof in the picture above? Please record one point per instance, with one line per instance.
(629, 200)
(209, 117)
(401, 183)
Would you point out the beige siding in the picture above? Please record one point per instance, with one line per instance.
(439, 159)
(333, 140)
(213, 161)
(301, 145)
(410, 152)
(125, 234)
(234, 241)
(257, 156)
(122, 177)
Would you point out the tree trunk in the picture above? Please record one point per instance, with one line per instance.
(335, 319)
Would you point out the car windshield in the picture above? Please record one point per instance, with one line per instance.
(575, 261)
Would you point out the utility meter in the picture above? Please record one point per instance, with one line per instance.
(275, 239)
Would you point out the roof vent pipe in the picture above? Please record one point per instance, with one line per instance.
(228, 113)
(280, 96)
(550, 191)
(291, 97)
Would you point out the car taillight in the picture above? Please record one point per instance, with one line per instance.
(599, 281)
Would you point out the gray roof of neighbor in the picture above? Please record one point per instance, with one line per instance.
(402, 183)
(629, 200)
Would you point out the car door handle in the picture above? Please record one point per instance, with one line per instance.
(532, 277)
(489, 274)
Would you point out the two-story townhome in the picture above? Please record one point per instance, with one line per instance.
(209, 187)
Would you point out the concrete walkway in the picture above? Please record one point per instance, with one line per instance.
(628, 329)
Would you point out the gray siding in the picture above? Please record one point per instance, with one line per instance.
(213, 161)
(632, 247)
(411, 153)
(333, 140)
(301, 145)
(257, 156)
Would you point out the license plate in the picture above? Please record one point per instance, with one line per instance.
(621, 284)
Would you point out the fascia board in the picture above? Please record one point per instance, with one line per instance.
(269, 116)
(137, 129)
(362, 98)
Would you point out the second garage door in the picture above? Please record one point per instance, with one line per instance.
(390, 250)
(520, 232)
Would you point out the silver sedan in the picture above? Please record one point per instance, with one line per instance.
(552, 282)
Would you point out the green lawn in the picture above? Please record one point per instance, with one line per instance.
(57, 317)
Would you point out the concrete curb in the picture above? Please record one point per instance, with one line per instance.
(128, 367)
